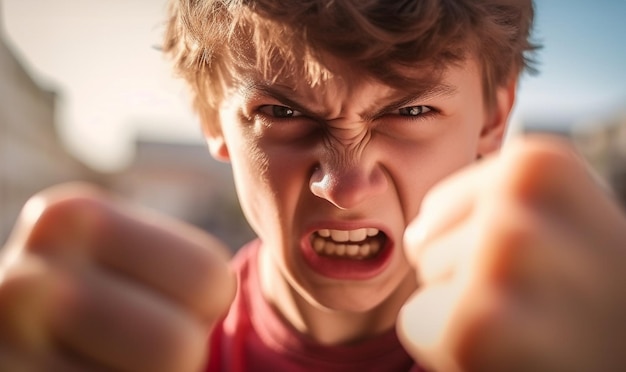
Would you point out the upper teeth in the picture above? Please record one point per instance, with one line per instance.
(348, 235)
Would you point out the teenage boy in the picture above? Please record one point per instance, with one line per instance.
(337, 117)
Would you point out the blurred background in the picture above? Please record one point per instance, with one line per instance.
(86, 95)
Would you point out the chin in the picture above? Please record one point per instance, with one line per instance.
(349, 297)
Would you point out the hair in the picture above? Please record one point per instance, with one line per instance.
(210, 40)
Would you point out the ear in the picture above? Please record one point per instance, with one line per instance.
(494, 129)
(217, 146)
(212, 130)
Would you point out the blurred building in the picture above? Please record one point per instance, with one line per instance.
(181, 180)
(604, 145)
(184, 181)
(32, 156)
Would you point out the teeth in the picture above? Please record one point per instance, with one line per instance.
(374, 247)
(340, 249)
(354, 244)
(364, 250)
(352, 250)
(325, 233)
(318, 245)
(342, 236)
(372, 231)
(355, 251)
(358, 235)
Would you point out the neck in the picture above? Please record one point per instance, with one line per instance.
(328, 326)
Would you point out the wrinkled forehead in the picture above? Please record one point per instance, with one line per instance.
(331, 75)
(348, 92)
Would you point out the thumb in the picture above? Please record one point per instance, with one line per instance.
(423, 326)
(439, 324)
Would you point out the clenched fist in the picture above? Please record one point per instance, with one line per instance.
(522, 264)
(88, 283)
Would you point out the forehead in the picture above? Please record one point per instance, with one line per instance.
(345, 84)
(322, 69)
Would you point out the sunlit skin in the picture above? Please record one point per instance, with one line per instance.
(343, 155)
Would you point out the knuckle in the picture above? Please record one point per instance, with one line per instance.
(507, 222)
(212, 290)
(184, 348)
(510, 231)
(60, 216)
(126, 326)
(545, 155)
(535, 165)
(24, 298)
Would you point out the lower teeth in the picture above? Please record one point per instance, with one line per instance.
(357, 251)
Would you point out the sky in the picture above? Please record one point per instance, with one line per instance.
(113, 85)
(582, 63)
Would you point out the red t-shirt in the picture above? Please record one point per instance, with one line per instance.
(253, 337)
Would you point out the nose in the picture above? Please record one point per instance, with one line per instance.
(348, 186)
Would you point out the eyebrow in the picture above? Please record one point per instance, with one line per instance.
(278, 92)
(437, 90)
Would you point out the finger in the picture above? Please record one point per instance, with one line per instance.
(422, 324)
(102, 319)
(462, 292)
(526, 290)
(437, 321)
(504, 337)
(520, 242)
(25, 291)
(468, 324)
(178, 260)
(539, 173)
(534, 325)
(444, 206)
(57, 317)
(16, 360)
(551, 176)
(446, 228)
(81, 224)
(548, 177)
(444, 255)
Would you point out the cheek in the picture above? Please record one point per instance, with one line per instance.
(249, 167)
(417, 167)
(270, 181)
(459, 141)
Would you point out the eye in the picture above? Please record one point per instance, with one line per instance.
(279, 112)
(414, 110)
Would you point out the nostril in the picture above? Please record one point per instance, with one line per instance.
(347, 185)
(316, 173)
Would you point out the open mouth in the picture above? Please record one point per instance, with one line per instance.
(358, 244)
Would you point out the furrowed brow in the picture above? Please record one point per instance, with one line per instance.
(440, 90)
(279, 93)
